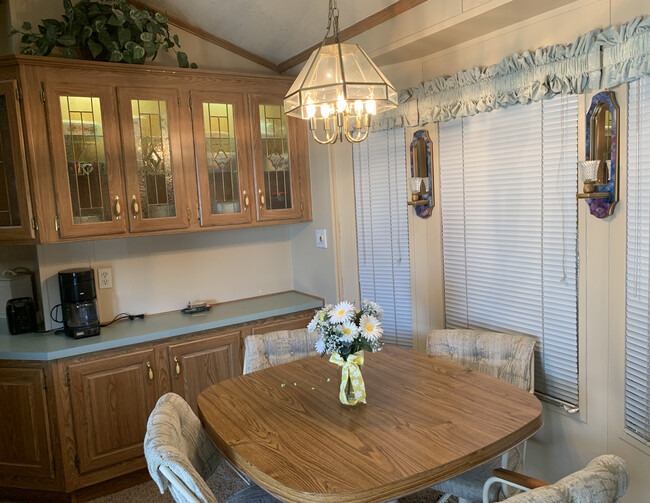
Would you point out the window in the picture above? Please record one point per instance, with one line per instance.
(637, 298)
(508, 181)
(382, 230)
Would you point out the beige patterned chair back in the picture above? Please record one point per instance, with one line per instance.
(274, 348)
(508, 357)
(604, 480)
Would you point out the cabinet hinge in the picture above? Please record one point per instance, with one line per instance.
(57, 224)
(43, 96)
(198, 213)
(189, 102)
(66, 381)
(302, 206)
(189, 216)
(19, 94)
(34, 224)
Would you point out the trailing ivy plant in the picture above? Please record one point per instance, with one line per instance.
(105, 30)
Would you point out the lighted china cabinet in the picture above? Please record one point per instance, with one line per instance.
(112, 150)
(279, 148)
(16, 222)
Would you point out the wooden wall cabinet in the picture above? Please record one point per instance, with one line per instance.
(137, 150)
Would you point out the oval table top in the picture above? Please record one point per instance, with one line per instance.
(426, 420)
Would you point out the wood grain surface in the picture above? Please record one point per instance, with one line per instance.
(426, 420)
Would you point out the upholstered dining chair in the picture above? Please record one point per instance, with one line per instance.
(604, 480)
(274, 348)
(508, 357)
(180, 455)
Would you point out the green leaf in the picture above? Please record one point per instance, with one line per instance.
(128, 57)
(193, 65)
(123, 36)
(160, 18)
(51, 24)
(129, 46)
(104, 38)
(182, 59)
(27, 26)
(66, 40)
(115, 56)
(86, 33)
(119, 15)
(13, 31)
(138, 54)
(67, 6)
(146, 36)
(71, 53)
(150, 48)
(175, 37)
(100, 24)
(95, 48)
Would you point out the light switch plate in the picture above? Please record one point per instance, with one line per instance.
(321, 238)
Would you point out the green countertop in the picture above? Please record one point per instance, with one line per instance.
(51, 346)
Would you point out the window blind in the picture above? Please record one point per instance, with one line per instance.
(508, 180)
(382, 230)
(637, 298)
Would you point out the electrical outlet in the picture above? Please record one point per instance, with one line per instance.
(321, 238)
(105, 277)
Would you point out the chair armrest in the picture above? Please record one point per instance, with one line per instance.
(520, 479)
(508, 478)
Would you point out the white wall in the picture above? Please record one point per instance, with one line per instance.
(567, 442)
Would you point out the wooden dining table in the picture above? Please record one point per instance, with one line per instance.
(426, 420)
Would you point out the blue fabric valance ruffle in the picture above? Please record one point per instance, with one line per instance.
(596, 60)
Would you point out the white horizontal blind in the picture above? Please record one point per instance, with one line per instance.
(382, 230)
(509, 225)
(637, 298)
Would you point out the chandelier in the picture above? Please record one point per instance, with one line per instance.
(339, 89)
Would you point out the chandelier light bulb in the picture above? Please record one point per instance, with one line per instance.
(325, 110)
(371, 107)
(311, 110)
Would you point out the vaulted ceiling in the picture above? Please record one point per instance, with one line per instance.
(280, 33)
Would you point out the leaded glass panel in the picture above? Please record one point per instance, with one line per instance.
(221, 157)
(86, 159)
(153, 155)
(275, 155)
(9, 209)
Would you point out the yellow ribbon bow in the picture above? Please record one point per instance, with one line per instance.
(351, 372)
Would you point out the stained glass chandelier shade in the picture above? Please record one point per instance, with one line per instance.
(339, 89)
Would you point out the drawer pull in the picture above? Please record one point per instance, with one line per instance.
(150, 372)
(135, 206)
(178, 367)
(118, 208)
(246, 201)
(262, 199)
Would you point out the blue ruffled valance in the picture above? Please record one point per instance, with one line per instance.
(626, 52)
(597, 60)
(521, 78)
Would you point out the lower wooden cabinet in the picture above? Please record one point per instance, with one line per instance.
(25, 440)
(75, 422)
(111, 400)
(196, 365)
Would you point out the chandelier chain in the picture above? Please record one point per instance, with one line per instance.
(332, 21)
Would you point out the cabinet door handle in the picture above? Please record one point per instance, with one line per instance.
(149, 372)
(262, 200)
(135, 206)
(118, 208)
(178, 367)
(246, 201)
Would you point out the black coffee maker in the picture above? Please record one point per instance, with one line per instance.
(78, 302)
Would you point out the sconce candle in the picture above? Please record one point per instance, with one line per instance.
(420, 183)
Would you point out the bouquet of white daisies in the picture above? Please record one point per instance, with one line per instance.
(344, 329)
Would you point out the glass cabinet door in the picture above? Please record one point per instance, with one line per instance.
(15, 207)
(85, 142)
(278, 156)
(223, 158)
(152, 158)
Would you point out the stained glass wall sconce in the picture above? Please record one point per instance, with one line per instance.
(599, 172)
(421, 181)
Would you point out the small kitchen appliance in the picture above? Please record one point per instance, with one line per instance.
(79, 302)
(21, 315)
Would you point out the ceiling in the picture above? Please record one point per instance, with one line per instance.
(273, 29)
(391, 31)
